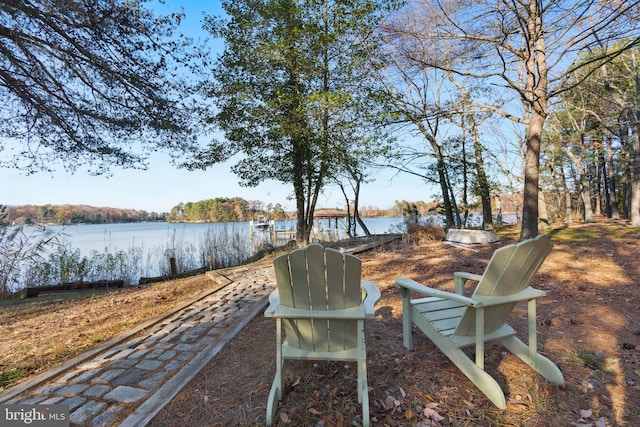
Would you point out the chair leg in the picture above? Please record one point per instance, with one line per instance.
(485, 382)
(272, 403)
(363, 387)
(541, 364)
(363, 390)
(365, 402)
(275, 394)
(406, 318)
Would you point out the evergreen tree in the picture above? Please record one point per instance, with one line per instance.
(90, 82)
(292, 92)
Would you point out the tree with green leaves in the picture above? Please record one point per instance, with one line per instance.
(98, 83)
(292, 92)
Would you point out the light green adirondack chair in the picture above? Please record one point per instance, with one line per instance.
(453, 321)
(323, 305)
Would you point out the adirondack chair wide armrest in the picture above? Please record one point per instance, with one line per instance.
(274, 301)
(528, 293)
(409, 284)
(371, 297)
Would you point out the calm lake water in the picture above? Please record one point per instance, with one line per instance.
(134, 250)
(150, 235)
(90, 237)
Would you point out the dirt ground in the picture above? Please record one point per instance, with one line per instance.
(589, 324)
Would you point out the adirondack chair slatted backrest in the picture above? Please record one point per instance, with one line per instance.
(509, 271)
(315, 278)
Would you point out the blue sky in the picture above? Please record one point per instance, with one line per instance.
(163, 186)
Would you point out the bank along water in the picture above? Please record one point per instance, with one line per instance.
(130, 251)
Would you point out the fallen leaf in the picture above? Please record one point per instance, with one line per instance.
(284, 417)
(391, 402)
(409, 414)
(586, 413)
(432, 415)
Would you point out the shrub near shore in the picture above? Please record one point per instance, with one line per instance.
(61, 263)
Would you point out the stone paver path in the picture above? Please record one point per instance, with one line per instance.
(130, 382)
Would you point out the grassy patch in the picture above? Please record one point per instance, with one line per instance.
(590, 233)
(590, 359)
(12, 374)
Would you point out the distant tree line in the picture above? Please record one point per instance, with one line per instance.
(222, 209)
(219, 209)
(225, 209)
(76, 214)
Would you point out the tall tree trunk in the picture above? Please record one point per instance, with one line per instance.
(454, 205)
(605, 178)
(536, 82)
(484, 189)
(625, 160)
(568, 215)
(585, 192)
(351, 221)
(611, 180)
(542, 208)
(465, 182)
(356, 209)
(446, 200)
(598, 165)
(301, 226)
(498, 203)
(531, 176)
(634, 205)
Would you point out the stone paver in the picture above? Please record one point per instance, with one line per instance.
(126, 394)
(97, 391)
(86, 411)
